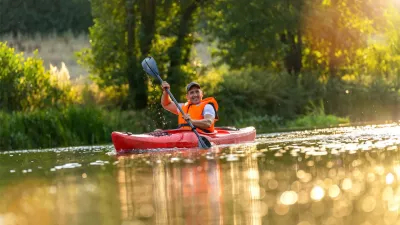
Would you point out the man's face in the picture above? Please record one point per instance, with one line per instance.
(194, 95)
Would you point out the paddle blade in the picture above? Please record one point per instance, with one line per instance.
(204, 142)
(150, 66)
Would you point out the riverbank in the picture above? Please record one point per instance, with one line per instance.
(74, 126)
(67, 127)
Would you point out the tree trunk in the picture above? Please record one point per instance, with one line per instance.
(293, 57)
(132, 61)
(137, 80)
(180, 50)
(292, 60)
(138, 92)
(148, 19)
(332, 60)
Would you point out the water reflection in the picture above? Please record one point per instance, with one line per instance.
(330, 180)
(49, 188)
(204, 191)
(331, 176)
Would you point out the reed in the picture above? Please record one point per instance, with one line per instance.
(71, 126)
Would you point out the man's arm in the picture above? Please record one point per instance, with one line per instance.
(167, 103)
(203, 123)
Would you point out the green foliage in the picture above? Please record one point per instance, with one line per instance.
(45, 16)
(316, 121)
(316, 117)
(295, 36)
(349, 57)
(211, 80)
(261, 123)
(307, 62)
(106, 60)
(263, 92)
(67, 127)
(335, 30)
(258, 97)
(248, 33)
(25, 84)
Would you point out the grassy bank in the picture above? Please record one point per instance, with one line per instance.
(267, 124)
(90, 126)
(69, 127)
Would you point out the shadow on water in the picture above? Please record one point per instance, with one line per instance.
(327, 176)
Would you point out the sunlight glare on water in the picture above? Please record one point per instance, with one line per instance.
(389, 178)
(334, 191)
(288, 198)
(317, 193)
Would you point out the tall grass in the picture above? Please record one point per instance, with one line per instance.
(316, 118)
(71, 126)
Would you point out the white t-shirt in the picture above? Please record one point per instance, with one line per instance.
(208, 110)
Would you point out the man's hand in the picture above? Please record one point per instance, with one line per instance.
(166, 100)
(165, 85)
(187, 117)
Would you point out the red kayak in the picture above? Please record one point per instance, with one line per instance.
(177, 138)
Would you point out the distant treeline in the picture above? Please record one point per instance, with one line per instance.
(30, 17)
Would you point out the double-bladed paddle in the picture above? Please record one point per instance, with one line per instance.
(150, 67)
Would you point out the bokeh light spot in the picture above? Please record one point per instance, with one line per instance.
(317, 193)
(288, 198)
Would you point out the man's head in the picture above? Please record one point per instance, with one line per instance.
(194, 93)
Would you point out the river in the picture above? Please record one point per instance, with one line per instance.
(334, 176)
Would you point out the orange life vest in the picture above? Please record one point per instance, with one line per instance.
(196, 113)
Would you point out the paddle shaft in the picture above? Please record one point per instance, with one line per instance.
(180, 109)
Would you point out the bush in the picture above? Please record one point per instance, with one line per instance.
(251, 95)
(258, 93)
(25, 85)
(362, 102)
(317, 121)
(261, 123)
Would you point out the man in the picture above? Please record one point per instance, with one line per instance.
(203, 113)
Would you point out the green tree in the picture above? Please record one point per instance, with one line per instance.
(292, 35)
(180, 51)
(335, 30)
(258, 33)
(125, 32)
(44, 16)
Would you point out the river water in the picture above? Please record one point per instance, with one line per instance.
(329, 176)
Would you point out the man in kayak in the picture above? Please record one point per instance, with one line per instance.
(203, 113)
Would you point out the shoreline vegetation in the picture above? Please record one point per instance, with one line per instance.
(77, 126)
(77, 112)
(79, 120)
(72, 80)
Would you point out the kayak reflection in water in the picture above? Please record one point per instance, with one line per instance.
(203, 113)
